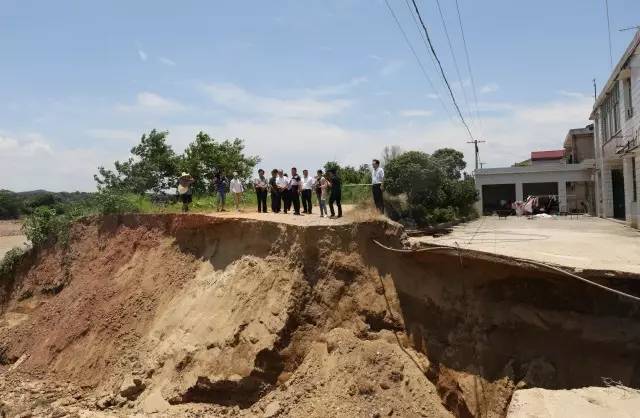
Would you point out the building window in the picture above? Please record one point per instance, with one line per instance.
(611, 114)
(615, 107)
(628, 99)
(635, 180)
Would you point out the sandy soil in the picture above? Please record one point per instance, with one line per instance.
(11, 236)
(198, 315)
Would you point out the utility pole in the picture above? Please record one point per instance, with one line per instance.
(475, 142)
(595, 91)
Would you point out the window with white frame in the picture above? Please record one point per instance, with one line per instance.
(628, 99)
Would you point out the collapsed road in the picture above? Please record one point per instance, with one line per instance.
(192, 315)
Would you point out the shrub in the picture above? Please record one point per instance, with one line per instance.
(9, 263)
(41, 225)
(109, 202)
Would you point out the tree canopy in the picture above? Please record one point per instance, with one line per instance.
(155, 167)
(431, 184)
(350, 174)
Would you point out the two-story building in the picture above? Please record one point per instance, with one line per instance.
(617, 131)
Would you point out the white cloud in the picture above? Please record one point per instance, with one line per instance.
(572, 94)
(337, 89)
(489, 88)
(28, 145)
(432, 96)
(29, 161)
(415, 112)
(239, 100)
(143, 55)
(375, 57)
(113, 134)
(166, 61)
(151, 102)
(391, 67)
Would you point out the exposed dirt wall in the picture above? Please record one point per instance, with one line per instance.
(199, 315)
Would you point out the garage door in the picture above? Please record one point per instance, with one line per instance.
(539, 189)
(497, 196)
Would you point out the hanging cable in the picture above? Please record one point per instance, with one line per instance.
(453, 57)
(606, 5)
(415, 54)
(444, 76)
(466, 54)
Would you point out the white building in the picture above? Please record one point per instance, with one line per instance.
(617, 131)
(566, 174)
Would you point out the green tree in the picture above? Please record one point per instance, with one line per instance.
(204, 156)
(417, 175)
(153, 167)
(10, 205)
(389, 153)
(332, 165)
(451, 161)
(349, 174)
(431, 185)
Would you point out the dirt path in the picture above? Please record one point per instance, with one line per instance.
(351, 213)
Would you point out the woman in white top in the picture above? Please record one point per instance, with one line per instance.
(237, 189)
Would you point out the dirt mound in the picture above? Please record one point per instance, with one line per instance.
(190, 315)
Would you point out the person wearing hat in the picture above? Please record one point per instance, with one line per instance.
(184, 190)
(261, 186)
(237, 189)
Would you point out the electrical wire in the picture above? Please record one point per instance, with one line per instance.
(444, 76)
(466, 54)
(415, 54)
(453, 57)
(424, 41)
(606, 5)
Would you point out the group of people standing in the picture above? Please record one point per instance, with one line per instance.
(296, 191)
(286, 191)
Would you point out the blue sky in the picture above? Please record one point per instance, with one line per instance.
(302, 82)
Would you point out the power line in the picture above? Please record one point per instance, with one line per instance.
(444, 76)
(415, 54)
(424, 40)
(606, 5)
(453, 56)
(466, 54)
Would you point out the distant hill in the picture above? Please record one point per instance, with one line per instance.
(16, 204)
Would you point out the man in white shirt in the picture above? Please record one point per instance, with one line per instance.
(261, 185)
(237, 189)
(308, 184)
(282, 183)
(377, 180)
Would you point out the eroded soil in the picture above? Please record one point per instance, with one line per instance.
(194, 315)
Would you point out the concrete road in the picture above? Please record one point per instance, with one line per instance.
(585, 243)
